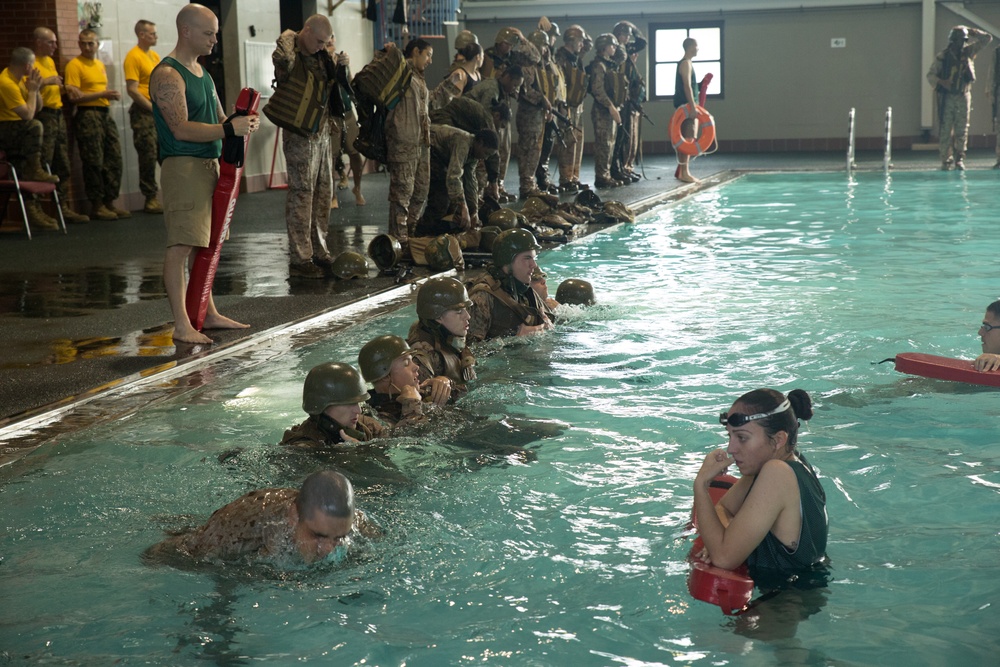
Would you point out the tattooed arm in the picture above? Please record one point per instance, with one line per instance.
(166, 87)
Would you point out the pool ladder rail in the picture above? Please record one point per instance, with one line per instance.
(887, 154)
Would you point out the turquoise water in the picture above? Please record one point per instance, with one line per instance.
(579, 557)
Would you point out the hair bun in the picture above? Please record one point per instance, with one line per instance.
(801, 403)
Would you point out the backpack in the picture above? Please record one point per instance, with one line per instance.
(378, 87)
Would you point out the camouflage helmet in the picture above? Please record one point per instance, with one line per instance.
(443, 253)
(604, 40)
(535, 207)
(464, 38)
(574, 33)
(511, 36)
(958, 34)
(624, 28)
(439, 295)
(588, 198)
(385, 250)
(488, 236)
(510, 244)
(376, 357)
(553, 32)
(332, 384)
(539, 39)
(576, 292)
(505, 219)
(349, 265)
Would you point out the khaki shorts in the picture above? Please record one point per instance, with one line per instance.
(188, 184)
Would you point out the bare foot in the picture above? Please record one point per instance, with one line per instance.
(190, 335)
(334, 203)
(222, 322)
(358, 197)
(688, 178)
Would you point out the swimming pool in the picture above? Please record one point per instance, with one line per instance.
(579, 557)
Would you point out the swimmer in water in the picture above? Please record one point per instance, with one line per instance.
(539, 283)
(774, 517)
(279, 526)
(332, 396)
(439, 335)
(989, 333)
(390, 365)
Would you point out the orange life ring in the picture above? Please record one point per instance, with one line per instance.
(699, 145)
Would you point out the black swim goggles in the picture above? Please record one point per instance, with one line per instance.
(738, 419)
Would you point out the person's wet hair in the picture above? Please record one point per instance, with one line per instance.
(488, 139)
(514, 72)
(994, 309)
(328, 492)
(416, 45)
(765, 400)
(471, 51)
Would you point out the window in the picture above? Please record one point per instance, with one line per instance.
(668, 49)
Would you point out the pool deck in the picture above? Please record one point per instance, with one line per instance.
(86, 311)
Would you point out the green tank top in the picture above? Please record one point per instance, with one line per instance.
(202, 108)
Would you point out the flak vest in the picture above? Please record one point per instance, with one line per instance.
(452, 360)
(508, 314)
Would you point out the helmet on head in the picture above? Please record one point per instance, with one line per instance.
(553, 31)
(604, 40)
(959, 33)
(511, 36)
(505, 219)
(349, 265)
(439, 295)
(464, 38)
(377, 355)
(574, 33)
(487, 236)
(537, 274)
(510, 244)
(576, 292)
(444, 252)
(385, 250)
(332, 384)
(624, 28)
(539, 39)
(588, 198)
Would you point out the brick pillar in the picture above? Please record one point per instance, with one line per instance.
(18, 20)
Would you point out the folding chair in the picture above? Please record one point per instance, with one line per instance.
(11, 184)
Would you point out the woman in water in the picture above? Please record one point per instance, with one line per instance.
(774, 517)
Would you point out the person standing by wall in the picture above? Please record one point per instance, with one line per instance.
(604, 114)
(139, 64)
(189, 132)
(685, 92)
(95, 129)
(55, 141)
(951, 75)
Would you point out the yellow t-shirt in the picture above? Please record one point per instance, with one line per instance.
(89, 76)
(12, 95)
(51, 97)
(139, 65)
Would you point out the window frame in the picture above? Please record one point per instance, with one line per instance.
(674, 25)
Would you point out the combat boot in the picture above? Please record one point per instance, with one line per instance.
(120, 213)
(102, 212)
(152, 206)
(33, 171)
(37, 218)
(69, 215)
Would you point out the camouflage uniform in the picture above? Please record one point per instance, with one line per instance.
(452, 178)
(531, 108)
(955, 105)
(497, 311)
(146, 146)
(604, 125)
(489, 92)
(554, 88)
(407, 134)
(571, 157)
(54, 147)
(20, 139)
(308, 160)
(100, 152)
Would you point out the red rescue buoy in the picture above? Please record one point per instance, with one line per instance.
(206, 260)
(730, 590)
(945, 368)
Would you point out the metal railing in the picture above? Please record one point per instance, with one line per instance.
(887, 157)
(423, 19)
(850, 141)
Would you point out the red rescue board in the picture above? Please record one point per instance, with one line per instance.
(945, 368)
(206, 260)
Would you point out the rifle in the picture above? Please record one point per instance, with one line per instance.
(564, 118)
(636, 107)
(556, 131)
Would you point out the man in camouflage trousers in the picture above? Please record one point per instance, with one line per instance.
(308, 159)
(605, 113)
(55, 141)
(139, 64)
(569, 58)
(532, 114)
(95, 129)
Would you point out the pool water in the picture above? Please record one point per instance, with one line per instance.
(579, 557)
